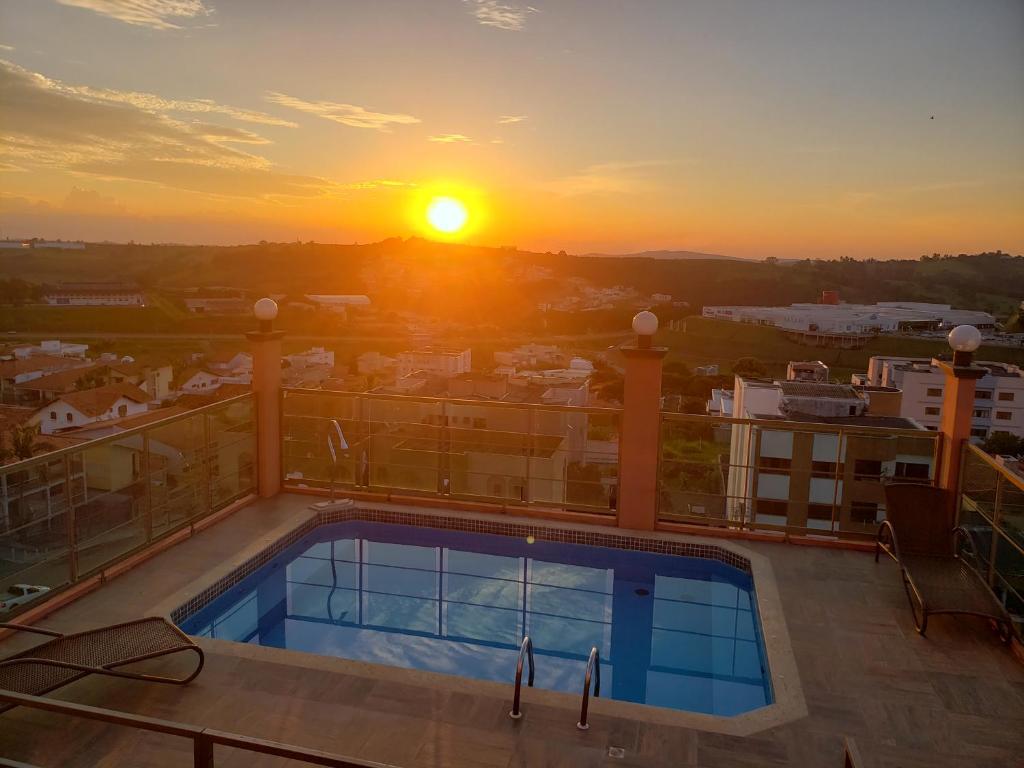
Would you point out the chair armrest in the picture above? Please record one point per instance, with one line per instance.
(892, 550)
(25, 628)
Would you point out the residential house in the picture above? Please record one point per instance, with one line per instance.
(76, 409)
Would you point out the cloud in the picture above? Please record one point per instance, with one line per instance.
(510, 119)
(492, 13)
(346, 114)
(449, 138)
(608, 178)
(47, 123)
(156, 14)
(153, 103)
(6, 47)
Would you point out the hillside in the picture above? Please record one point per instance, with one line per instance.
(465, 283)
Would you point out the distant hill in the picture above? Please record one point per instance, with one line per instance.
(667, 255)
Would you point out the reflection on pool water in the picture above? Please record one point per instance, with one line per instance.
(672, 631)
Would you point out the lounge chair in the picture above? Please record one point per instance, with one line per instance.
(67, 658)
(934, 557)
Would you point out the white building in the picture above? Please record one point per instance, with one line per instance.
(782, 475)
(315, 356)
(76, 409)
(884, 317)
(529, 355)
(339, 303)
(998, 398)
(435, 360)
(53, 347)
(721, 403)
(96, 294)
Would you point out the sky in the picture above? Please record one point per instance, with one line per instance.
(754, 128)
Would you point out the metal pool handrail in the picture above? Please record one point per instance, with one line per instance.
(527, 649)
(593, 669)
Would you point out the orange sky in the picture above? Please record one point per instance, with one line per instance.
(861, 129)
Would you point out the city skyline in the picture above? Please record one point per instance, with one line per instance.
(801, 130)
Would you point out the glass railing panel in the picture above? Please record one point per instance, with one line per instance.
(978, 480)
(404, 444)
(310, 419)
(574, 455)
(486, 452)
(113, 518)
(33, 534)
(1011, 510)
(1008, 578)
(177, 475)
(699, 468)
(231, 431)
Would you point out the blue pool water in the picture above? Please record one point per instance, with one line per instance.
(672, 631)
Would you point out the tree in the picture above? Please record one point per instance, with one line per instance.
(22, 439)
(1003, 444)
(749, 366)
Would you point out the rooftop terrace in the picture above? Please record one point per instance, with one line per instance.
(144, 521)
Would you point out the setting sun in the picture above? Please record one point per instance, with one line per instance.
(446, 214)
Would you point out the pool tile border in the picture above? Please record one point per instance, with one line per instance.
(377, 514)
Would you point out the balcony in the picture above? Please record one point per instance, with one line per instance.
(134, 523)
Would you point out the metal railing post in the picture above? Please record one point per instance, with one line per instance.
(990, 576)
(206, 464)
(148, 479)
(202, 751)
(70, 522)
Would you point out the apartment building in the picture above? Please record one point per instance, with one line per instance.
(825, 478)
(998, 401)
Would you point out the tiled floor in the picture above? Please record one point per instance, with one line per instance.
(955, 699)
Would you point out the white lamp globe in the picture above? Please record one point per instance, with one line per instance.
(965, 338)
(645, 323)
(265, 309)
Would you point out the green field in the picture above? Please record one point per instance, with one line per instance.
(705, 341)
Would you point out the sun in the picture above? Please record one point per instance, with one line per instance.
(446, 214)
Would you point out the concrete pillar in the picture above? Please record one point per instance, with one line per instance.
(957, 407)
(266, 384)
(640, 437)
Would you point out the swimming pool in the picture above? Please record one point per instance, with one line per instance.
(672, 631)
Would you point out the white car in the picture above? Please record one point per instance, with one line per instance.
(19, 594)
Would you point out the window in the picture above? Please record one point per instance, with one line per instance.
(68, 417)
(932, 410)
(979, 432)
(819, 512)
(479, 423)
(53, 415)
(122, 410)
(1006, 397)
(1004, 415)
(983, 394)
(864, 512)
(823, 467)
(981, 413)
(934, 392)
(867, 468)
(911, 470)
(767, 507)
(768, 463)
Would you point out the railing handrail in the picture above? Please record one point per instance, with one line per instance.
(784, 424)
(525, 648)
(454, 401)
(593, 669)
(204, 739)
(86, 445)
